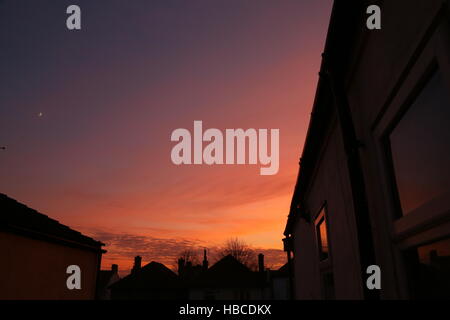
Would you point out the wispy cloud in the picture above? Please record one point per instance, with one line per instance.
(123, 247)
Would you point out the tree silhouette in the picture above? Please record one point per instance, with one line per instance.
(189, 255)
(240, 250)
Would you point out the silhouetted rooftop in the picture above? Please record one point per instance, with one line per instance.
(284, 269)
(152, 276)
(18, 218)
(104, 276)
(230, 273)
(282, 272)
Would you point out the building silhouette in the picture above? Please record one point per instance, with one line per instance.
(227, 279)
(153, 281)
(374, 182)
(105, 279)
(36, 251)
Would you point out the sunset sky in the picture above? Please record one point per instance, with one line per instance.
(87, 116)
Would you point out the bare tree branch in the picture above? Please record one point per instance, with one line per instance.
(240, 250)
(189, 255)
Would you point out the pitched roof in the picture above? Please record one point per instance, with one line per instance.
(284, 269)
(230, 273)
(282, 272)
(18, 218)
(152, 276)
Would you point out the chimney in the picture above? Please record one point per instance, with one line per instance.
(137, 264)
(114, 268)
(261, 262)
(205, 261)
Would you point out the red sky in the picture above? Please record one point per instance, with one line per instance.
(98, 159)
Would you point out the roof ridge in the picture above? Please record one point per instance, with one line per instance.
(21, 216)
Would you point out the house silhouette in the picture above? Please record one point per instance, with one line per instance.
(225, 280)
(32, 244)
(105, 279)
(153, 281)
(229, 279)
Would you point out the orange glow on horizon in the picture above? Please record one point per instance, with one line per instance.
(99, 158)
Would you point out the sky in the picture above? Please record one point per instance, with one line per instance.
(87, 116)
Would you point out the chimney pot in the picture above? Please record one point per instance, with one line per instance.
(261, 262)
(137, 263)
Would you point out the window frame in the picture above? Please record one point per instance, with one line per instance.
(408, 104)
(321, 217)
(419, 227)
(325, 265)
(434, 58)
(405, 225)
(420, 219)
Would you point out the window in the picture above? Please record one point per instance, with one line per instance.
(412, 141)
(322, 238)
(420, 157)
(429, 270)
(324, 253)
(419, 146)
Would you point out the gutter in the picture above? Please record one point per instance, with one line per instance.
(339, 44)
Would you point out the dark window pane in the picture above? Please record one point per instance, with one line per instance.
(420, 146)
(429, 270)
